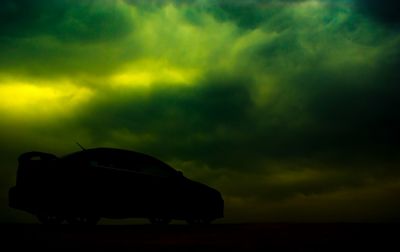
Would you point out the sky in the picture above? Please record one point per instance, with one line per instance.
(288, 107)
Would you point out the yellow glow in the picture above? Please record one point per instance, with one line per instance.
(133, 78)
(148, 72)
(32, 99)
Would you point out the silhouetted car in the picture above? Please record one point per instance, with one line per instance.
(84, 186)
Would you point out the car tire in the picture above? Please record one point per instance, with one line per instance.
(49, 219)
(160, 221)
(83, 220)
(199, 221)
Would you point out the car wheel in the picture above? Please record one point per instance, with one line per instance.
(199, 221)
(49, 219)
(160, 221)
(83, 220)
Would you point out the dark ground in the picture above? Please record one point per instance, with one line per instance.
(217, 237)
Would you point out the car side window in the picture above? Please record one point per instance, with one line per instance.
(131, 163)
(159, 169)
(101, 163)
(115, 162)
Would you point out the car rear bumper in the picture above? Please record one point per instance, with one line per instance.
(13, 201)
(19, 200)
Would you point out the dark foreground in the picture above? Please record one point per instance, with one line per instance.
(217, 237)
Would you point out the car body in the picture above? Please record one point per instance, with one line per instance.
(85, 186)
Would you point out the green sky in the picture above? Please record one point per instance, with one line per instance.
(288, 107)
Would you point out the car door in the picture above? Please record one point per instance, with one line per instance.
(162, 187)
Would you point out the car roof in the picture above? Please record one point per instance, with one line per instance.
(138, 158)
(104, 150)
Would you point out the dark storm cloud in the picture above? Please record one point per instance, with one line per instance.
(247, 14)
(204, 122)
(218, 123)
(62, 37)
(387, 11)
(63, 19)
(349, 120)
(251, 13)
